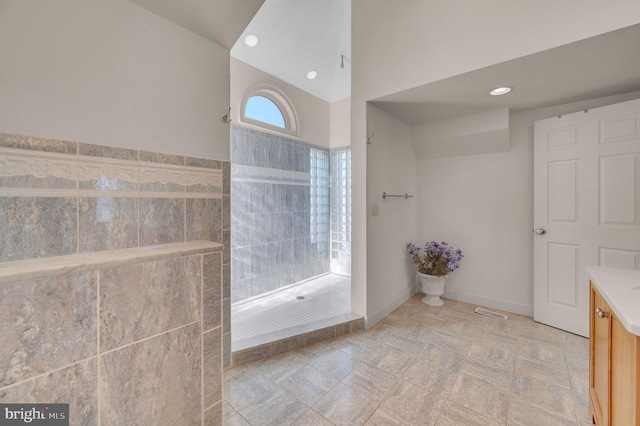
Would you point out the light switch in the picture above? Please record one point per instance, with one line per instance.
(375, 209)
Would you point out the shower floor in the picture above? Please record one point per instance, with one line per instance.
(310, 305)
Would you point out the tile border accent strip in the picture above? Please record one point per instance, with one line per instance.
(39, 164)
(180, 175)
(111, 177)
(244, 173)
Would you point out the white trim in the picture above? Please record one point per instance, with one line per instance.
(380, 313)
(503, 305)
(281, 100)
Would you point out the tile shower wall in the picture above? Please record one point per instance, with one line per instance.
(279, 213)
(340, 171)
(137, 342)
(59, 197)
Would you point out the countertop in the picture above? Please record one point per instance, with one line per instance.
(620, 288)
(20, 270)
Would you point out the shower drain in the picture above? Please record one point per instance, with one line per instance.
(300, 297)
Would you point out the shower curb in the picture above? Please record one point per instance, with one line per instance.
(299, 341)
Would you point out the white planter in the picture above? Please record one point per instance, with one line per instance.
(432, 287)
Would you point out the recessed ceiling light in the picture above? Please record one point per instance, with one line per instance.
(251, 40)
(500, 91)
(312, 74)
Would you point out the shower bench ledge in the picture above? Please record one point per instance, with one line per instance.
(19, 270)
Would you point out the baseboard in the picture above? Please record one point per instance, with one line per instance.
(503, 305)
(378, 315)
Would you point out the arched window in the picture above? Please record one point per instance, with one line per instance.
(264, 109)
(267, 107)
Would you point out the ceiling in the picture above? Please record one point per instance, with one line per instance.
(604, 65)
(220, 21)
(297, 36)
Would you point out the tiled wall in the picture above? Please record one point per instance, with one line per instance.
(60, 197)
(340, 170)
(279, 213)
(138, 342)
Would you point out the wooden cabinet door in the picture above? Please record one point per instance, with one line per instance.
(600, 359)
(624, 376)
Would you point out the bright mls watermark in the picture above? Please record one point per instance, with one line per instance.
(34, 414)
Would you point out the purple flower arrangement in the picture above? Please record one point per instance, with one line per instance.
(434, 258)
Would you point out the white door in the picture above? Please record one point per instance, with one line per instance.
(586, 207)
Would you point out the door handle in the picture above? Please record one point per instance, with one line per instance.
(601, 314)
(539, 231)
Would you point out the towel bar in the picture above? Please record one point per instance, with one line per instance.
(405, 196)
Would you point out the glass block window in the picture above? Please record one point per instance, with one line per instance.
(341, 210)
(320, 201)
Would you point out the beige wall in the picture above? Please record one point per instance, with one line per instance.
(483, 204)
(313, 113)
(393, 165)
(401, 45)
(340, 123)
(111, 73)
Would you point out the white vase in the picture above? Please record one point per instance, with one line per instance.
(433, 287)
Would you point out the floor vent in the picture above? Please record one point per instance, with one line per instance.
(490, 314)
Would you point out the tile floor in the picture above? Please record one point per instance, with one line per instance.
(327, 301)
(421, 366)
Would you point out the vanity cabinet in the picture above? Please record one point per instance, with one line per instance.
(614, 367)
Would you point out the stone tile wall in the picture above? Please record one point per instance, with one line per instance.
(137, 343)
(59, 197)
(280, 211)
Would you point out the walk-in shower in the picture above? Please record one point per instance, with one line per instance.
(290, 215)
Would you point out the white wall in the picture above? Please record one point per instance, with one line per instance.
(313, 113)
(340, 123)
(111, 73)
(392, 165)
(484, 205)
(480, 133)
(401, 45)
